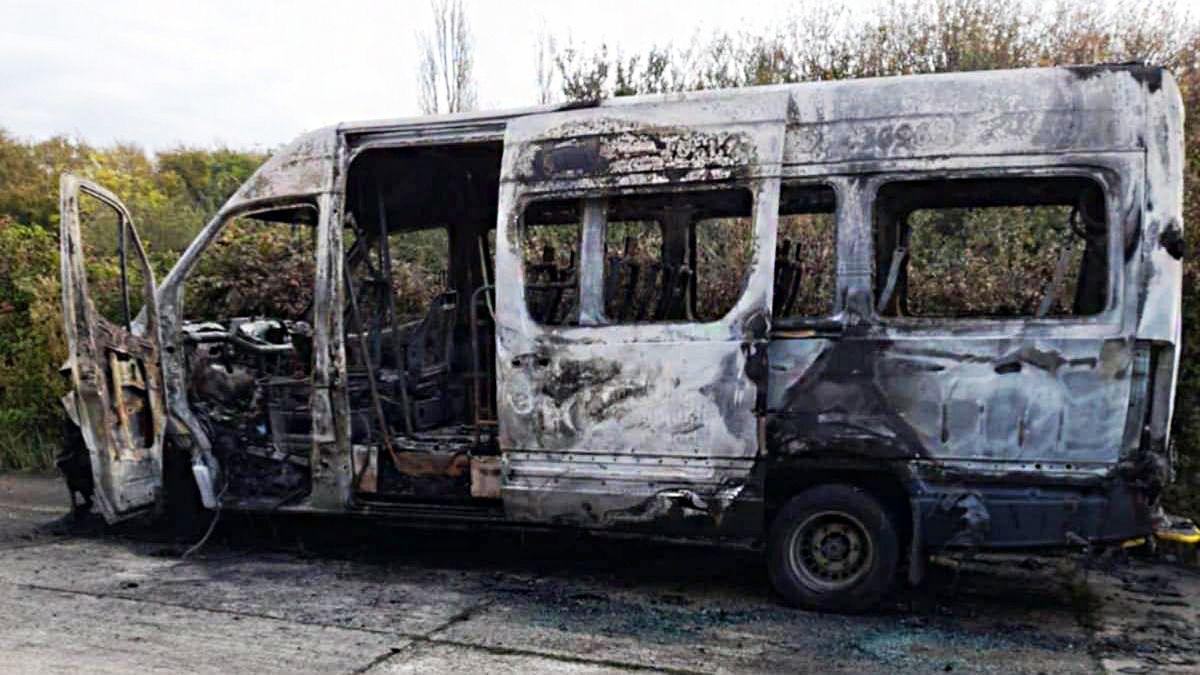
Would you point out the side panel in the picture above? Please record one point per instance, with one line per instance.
(1016, 427)
(991, 396)
(1000, 403)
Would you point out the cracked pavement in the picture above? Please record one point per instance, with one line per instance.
(354, 596)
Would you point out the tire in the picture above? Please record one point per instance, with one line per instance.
(75, 465)
(184, 514)
(833, 548)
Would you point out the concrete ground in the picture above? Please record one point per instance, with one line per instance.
(325, 595)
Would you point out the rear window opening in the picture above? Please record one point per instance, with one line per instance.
(991, 248)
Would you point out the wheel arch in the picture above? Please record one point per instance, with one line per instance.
(887, 482)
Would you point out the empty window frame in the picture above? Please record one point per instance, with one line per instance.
(115, 277)
(418, 261)
(991, 248)
(260, 265)
(677, 256)
(634, 274)
(550, 236)
(805, 252)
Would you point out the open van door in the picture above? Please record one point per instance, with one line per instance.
(114, 361)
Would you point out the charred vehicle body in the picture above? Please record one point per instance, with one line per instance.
(718, 316)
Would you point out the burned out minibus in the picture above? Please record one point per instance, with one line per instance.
(854, 323)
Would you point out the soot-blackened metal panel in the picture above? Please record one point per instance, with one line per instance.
(620, 425)
(989, 398)
(963, 114)
(304, 167)
(1018, 404)
(729, 136)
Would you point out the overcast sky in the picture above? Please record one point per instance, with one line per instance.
(254, 74)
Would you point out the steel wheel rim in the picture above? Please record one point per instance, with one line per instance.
(830, 551)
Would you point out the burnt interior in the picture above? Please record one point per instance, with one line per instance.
(418, 307)
(418, 316)
(249, 384)
(420, 354)
(551, 237)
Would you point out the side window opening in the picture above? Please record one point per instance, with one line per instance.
(805, 252)
(991, 248)
(550, 238)
(722, 248)
(255, 268)
(678, 256)
(634, 275)
(114, 275)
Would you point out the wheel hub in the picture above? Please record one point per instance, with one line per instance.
(831, 550)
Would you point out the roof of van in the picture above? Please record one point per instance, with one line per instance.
(943, 85)
(1070, 108)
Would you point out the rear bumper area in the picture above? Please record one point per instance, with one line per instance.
(992, 516)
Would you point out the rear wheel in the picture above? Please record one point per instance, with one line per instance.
(833, 548)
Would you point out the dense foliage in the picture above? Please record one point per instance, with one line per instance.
(170, 195)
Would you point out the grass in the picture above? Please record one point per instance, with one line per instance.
(28, 449)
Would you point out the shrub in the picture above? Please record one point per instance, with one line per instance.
(33, 347)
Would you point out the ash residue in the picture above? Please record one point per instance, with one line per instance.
(665, 619)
